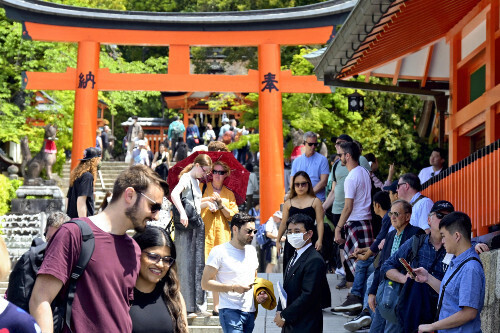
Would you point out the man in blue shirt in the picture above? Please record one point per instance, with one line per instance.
(315, 164)
(461, 295)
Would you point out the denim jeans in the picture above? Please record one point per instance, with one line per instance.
(365, 299)
(363, 270)
(236, 321)
(378, 323)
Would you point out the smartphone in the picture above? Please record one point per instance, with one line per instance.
(407, 267)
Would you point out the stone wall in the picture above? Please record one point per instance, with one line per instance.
(19, 230)
(490, 316)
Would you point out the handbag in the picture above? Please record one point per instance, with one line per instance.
(194, 219)
(387, 298)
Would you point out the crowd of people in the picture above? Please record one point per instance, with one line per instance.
(409, 262)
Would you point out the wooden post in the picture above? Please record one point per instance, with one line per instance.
(272, 182)
(85, 117)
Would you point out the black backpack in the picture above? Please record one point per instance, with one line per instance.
(23, 276)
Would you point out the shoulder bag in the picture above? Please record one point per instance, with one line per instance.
(194, 218)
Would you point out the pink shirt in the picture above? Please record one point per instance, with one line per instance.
(105, 289)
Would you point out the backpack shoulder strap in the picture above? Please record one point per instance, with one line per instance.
(418, 199)
(417, 242)
(451, 278)
(88, 245)
(335, 168)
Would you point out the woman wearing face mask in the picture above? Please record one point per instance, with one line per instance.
(158, 303)
(190, 243)
(219, 206)
(302, 201)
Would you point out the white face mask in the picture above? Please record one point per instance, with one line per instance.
(297, 240)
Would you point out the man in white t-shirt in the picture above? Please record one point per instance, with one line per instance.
(356, 215)
(436, 160)
(231, 269)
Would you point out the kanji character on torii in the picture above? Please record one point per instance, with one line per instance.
(268, 30)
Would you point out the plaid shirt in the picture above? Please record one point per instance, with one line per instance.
(358, 234)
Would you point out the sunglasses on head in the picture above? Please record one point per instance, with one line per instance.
(310, 144)
(156, 258)
(304, 184)
(438, 215)
(219, 172)
(155, 207)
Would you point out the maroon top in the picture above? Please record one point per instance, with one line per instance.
(104, 291)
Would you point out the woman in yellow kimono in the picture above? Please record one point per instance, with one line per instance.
(218, 208)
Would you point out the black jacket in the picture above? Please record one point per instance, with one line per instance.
(305, 286)
(408, 233)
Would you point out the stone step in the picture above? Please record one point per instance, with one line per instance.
(204, 321)
(205, 329)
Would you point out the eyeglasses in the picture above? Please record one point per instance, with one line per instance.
(155, 207)
(304, 184)
(156, 258)
(251, 231)
(438, 215)
(291, 232)
(219, 172)
(310, 144)
(338, 143)
(397, 187)
(395, 214)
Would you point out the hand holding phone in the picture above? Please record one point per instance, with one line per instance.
(407, 267)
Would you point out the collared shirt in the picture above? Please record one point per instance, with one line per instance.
(384, 230)
(299, 253)
(467, 288)
(397, 242)
(427, 173)
(426, 256)
(420, 211)
(314, 166)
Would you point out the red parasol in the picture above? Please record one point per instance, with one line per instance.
(237, 181)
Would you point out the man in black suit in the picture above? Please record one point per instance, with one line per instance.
(305, 281)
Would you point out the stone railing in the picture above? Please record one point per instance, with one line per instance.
(19, 230)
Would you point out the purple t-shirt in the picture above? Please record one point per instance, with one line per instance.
(105, 289)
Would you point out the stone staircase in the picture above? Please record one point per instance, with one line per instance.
(109, 170)
(205, 324)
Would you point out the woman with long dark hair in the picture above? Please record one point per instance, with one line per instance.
(190, 243)
(158, 303)
(302, 200)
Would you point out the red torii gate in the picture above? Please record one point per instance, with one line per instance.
(266, 29)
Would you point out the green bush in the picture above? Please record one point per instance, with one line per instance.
(7, 192)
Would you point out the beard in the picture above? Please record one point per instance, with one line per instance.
(132, 214)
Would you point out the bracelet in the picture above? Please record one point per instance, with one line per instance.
(232, 288)
(220, 207)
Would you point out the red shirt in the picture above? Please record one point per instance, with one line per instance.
(105, 289)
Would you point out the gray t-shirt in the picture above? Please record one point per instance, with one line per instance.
(340, 173)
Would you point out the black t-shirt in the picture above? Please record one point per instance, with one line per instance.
(83, 186)
(149, 313)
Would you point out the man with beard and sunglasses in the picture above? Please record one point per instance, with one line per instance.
(105, 289)
(315, 164)
(231, 269)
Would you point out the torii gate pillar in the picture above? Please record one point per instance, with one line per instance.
(272, 180)
(85, 117)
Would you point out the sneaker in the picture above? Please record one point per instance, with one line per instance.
(351, 314)
(359, 322)
(203, 314)
(365, 329)
(352, 303)
(340, 271)
(342, 284)
(191, 315)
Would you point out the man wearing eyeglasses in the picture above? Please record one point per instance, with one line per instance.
(231, 269)
(314, 164)
(105, 289)
(409, 189)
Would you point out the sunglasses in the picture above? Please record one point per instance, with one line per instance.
(251, 231)
(338, 143)
(219, 172)
(438, 215)
(396, 214)
(400, 184)
(155, 207)
(310, 144)
(304, 184)
(156, 258)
